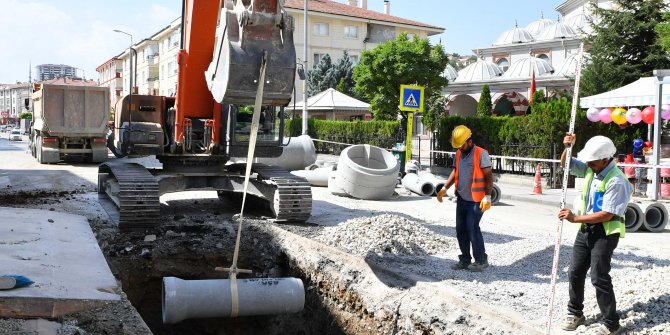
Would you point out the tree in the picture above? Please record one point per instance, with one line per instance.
(624, 45)
(484, 106)
(26, 115)
(436, 105)
(396, 62)
(343, 72)
(321, 78)
(663, 31)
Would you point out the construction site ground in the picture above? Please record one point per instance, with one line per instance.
(369, 267)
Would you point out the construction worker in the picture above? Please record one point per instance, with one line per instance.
(473, 177)
(605, 196)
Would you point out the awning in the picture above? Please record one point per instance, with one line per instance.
(641, 92)
(331, 100)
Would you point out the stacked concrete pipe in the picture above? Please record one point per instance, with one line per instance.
(438, 183)
(655, 216)
(634, 217)
(418, 184)
(211, 298)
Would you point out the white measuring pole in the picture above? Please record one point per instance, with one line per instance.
(566, 174)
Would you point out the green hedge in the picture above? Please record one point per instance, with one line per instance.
(378, 133)
(547, 125)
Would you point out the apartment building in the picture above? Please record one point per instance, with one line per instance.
(13, 98)
(52, 71)
(333, 28)
(110, 75)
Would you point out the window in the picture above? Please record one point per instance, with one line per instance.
(543, 56)
(171, 68)
(162, 71)
(321, 29)
(354, 59)
(351, 31)
(317, 58)
(503, 63)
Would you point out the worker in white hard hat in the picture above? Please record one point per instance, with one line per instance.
(473, 178)
(600, 216)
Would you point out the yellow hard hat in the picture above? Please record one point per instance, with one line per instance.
(460, 135)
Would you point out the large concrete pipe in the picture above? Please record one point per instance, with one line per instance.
(438, 183)
(655, 216)
(634, 217)
(316, 177)
(211, 298)
(298, 153)
(367, 172)
(416, 184)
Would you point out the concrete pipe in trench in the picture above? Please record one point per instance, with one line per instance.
(211, 298)
(655, 217)
(418, 185)
(634, 217)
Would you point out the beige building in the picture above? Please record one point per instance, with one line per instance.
(334, 27)
(110, 75)
(12, 101)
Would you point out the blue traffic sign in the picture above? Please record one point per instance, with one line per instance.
(411, 98)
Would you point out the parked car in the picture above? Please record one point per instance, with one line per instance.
(15, 135)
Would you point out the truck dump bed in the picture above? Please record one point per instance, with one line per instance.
(71, 110)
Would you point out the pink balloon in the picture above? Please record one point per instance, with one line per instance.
(605, 115)
(634, 116)
(665, 114)
(592, 114)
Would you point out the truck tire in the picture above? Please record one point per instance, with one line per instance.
(38, 150)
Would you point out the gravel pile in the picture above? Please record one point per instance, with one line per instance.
(385, 234)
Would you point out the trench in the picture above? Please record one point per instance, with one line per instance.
(192, 252)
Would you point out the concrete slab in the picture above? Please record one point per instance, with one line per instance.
(60, 254)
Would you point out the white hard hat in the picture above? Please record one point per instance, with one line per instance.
(598, 147)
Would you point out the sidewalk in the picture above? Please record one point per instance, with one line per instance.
(550, 197)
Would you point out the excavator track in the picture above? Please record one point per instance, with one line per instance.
(293, 198)
(136, 197)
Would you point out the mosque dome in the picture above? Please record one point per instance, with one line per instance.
(450, 73)
(558, 30)
(569, 67)
(514, 36)
(579, 23)
(535, 27)
(524, 68)
(479, 70)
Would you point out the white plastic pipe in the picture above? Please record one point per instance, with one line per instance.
(414, 183)
(211, 298)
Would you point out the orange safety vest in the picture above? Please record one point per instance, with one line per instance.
(478, 189)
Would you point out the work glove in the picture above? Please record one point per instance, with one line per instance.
(440, 195)
(485, 204)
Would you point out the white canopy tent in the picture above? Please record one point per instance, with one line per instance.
(331, 103)
(646, 91)
(641, 92)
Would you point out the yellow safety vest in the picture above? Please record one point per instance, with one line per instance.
(616, 225)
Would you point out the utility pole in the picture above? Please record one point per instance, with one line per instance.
(304, 84)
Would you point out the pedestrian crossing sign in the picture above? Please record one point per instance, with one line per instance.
(411, 98)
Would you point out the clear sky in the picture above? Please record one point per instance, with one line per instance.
(80, 33)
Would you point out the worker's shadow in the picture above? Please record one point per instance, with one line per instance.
(649, 307)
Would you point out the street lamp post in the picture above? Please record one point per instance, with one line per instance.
(130, 61)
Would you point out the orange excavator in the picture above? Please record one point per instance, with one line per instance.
(226, 47)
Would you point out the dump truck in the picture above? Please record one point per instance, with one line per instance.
(69, 122)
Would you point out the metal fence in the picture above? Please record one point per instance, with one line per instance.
(518, 159)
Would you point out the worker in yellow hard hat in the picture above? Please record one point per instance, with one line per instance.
(600, 215)
(473, 177)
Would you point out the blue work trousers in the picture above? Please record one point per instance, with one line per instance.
(468, 233)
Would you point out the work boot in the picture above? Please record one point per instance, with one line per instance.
(571, 322)
(460, 266)
(601, 329)
(478, 266)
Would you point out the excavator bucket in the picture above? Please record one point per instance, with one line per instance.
(246, 31)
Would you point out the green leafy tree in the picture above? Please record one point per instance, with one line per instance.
(484, 106)
(393, 63)
(343, 72)
(436, 106)
(624, 45)
(663, 30)
(26, 115)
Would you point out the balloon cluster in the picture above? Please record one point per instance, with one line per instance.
(622, 116)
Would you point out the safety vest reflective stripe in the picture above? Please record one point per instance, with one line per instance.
(616, 225)
(478, 188)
